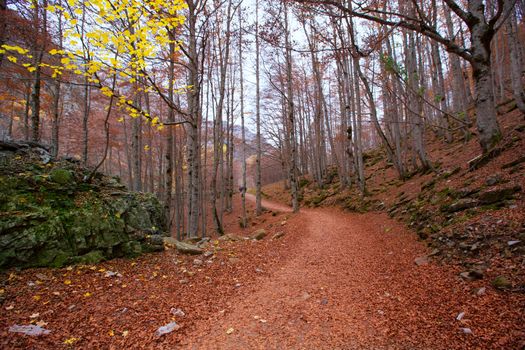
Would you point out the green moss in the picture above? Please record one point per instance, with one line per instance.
(131, 249)
(501, 282)
(303, 182)
(51, 220)
(61, 176)
(92, 257)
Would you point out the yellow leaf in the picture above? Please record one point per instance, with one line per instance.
(41, 323)
(102, 270)
(67, 282)
(87, 294)
(71, 341)
(230, 330)
(37, 297)
(12, 59)
(111, 333)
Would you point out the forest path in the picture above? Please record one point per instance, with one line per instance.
(351, 283)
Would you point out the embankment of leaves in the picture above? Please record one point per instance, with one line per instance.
(472, 216)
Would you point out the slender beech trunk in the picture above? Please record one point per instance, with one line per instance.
(258, 183)
(38, 54)
(194, 110)
(218, 145)
(516, 65)
(170, 139)
(243, 132)
(291, 116)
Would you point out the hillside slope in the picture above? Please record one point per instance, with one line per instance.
(471, 212)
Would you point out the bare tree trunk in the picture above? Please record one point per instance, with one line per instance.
(85, 119)
(56, 100)
(481, 36)
(258, 183)
(415, 100)
(170, 139)
(41, 31)
(459, 97)
(217, 131)
(55, 119)
(25, 126)
(356, 121)
(128, 155)
(136, 146)
(194, 110)
(35, 99)
(516, 66)
(3, 26)
(395, 116)
(243, 133)
(290, 112)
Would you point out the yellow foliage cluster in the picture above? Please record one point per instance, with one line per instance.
(121, 37)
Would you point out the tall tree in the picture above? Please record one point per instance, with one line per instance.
(482, 31)
(258, 182)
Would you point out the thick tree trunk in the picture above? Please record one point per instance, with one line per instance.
(481, 35)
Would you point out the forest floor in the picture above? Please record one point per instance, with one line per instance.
(335, 280)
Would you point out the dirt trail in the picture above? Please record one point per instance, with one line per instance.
(352, 284)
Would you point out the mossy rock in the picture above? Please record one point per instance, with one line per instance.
(50, 220)
(61, 176)
(501, 282)
(92, 257)
(131, 249)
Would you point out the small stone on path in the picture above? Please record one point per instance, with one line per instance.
(166, 329)
(422, 260)
(31, 330)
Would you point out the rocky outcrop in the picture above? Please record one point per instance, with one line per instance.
(259, 234)
(49, 215)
